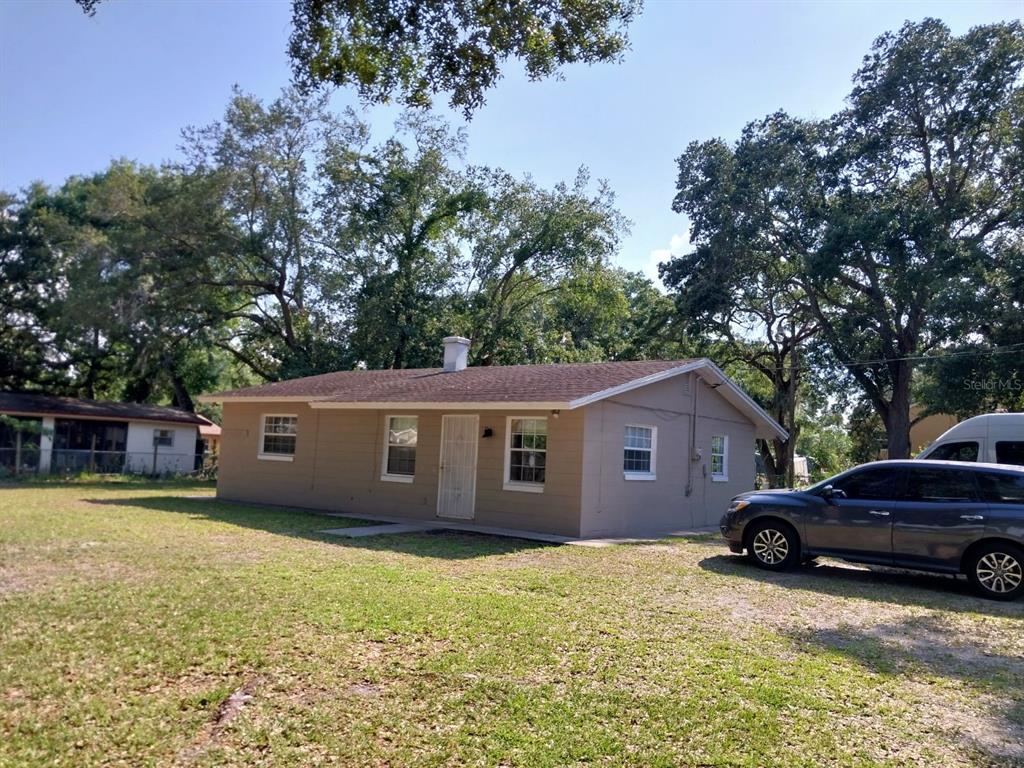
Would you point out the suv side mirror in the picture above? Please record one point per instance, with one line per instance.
(830, 494)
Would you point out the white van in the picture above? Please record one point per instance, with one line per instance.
(993, 437)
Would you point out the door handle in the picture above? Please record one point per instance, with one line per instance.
(878, 513)
(972, 517)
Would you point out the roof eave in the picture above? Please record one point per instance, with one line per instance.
(766, 427)
(218, 398)
(100, 417)
(628, 386)
(398, 405)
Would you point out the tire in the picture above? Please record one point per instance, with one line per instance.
(996, 570)
(773, 545)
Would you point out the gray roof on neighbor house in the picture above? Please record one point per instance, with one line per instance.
(34, 404)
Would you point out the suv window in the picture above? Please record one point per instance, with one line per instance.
(1002, 488)
(966, 451)
(869, 484)
(1010, 452)
(937, 484)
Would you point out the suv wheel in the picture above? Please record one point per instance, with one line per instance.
(773, 545)
(997, 570)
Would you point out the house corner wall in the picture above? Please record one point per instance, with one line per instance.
(175, 459)
(683, 496)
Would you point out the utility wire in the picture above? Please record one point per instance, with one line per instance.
(1010, 349)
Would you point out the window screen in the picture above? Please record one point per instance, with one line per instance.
(528, 448)
(719, 460)
(402, 437)
(638, 448)
(279, 433)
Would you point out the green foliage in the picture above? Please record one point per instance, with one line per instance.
(288, 243)
(118, 304)
(867, 434)
(826, 442)
(27, 279)
(528, 244)
(739, 288)
(973, 379)
(887, 224)
(411, 51)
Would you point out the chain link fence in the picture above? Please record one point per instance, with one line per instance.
(30, 460)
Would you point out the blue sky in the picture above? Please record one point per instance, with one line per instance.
(76, 92)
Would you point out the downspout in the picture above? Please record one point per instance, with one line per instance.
(316, 447)
(693, 436)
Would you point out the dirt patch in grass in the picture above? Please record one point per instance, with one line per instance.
(227, 711)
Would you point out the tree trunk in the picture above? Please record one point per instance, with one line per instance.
(896, 416)
(771, 455)
(182, 399)
(783, 462)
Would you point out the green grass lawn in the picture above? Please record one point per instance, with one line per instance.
(139, 626)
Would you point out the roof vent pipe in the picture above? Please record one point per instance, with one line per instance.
(456, 353)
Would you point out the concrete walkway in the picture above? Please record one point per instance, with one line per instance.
(389, 524)
(399, 525)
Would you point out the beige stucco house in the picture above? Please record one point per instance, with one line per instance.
(590, 449)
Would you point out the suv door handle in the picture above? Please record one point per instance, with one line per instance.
(878, 513)
(972, 517)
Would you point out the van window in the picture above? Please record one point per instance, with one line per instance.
(938, 485)
(1002, 488)
(1010, 452)
(966, 451)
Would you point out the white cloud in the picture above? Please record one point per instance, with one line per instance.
(677, 246)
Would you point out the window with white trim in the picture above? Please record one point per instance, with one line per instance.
(400, 448)
(278, 435)
(163, 437)
(719, 457)
(639, 451)
(526, 457)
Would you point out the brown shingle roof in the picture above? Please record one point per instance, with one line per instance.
(29, 403)
(482, 384)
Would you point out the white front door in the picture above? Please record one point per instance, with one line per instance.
(456, 487)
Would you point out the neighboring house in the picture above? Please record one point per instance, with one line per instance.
(801, 470)
(209, 433)
(590, 449)
(924, 431)
(64, 434)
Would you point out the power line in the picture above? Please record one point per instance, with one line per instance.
(1009, 349)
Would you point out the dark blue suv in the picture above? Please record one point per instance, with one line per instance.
(942, 516)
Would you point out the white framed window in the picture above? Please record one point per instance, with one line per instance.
(163, 437)
(526, 453)
(719, 458)
(278, 433)
(400, 437)
(640, 452)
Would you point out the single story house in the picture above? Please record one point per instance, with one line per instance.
(209, 433)
(46, 433)
(589, 449)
